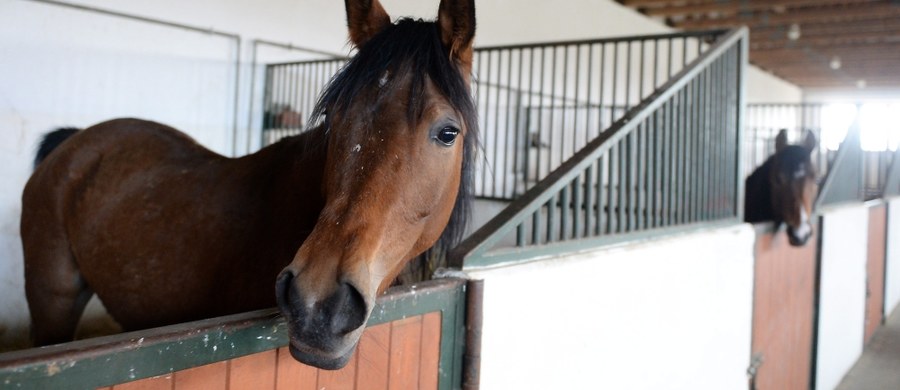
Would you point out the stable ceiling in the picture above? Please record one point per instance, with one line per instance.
(811, 43)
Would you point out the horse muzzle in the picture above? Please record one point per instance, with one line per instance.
(800, 235)
(322, 332)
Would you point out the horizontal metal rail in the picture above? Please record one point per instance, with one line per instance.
(111, 360)
(670, 161)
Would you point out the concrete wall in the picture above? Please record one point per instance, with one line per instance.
(669, 313)
(842, 292)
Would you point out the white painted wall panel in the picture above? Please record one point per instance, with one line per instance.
(843, 292)
(671, 313)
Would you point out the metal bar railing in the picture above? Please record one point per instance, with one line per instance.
(766, 120)
(607, 167)
(892, 181)
(538, 104)
(843, 183)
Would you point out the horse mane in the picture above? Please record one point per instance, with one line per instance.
(414, 48)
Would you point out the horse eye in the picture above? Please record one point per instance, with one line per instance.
(447, 135)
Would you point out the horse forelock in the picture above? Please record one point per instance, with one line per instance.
(410, 50)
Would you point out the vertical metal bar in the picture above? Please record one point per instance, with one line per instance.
(576, 99)
(682, 153)
(615, 77)
(589, 220)
(602, 76)
(527, 136)
(656, 185)
(696, 123)
(509, 127)
(590, 88)
(641, 75)
(551, 217)
(565, 208)
(540, 121)
(550, 158)
(484, 101)
(520, 143)
(623, 200)
(707, 145)
(536, 227)
(577, 207)
(565, 98)
(655, 63)
(498, 174)
(612, 186)
(628, 77)
(602, 201)
(520, 234)
(641, 177)
(669, 62)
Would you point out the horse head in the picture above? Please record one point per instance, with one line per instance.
(401, 129)
(792, 180)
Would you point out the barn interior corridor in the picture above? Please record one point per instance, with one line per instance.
(877, 367)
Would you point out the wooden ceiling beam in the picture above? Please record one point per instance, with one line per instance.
(735, 7)
(813, 29)
(871, 32)
(837, 40)
(842, 49)
(817, 15)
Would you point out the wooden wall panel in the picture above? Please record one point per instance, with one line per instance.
(374, 358)
(784, 290)
(344, 378)
(292, 375)
(406, 340)
(163, 382)
(430, 354)
(403, 354)
(209, 377)
(875, 261)
(252, 372)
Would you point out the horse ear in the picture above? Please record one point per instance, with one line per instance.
(456, 19)
(810, 142)
(365, 18)
(781, 140)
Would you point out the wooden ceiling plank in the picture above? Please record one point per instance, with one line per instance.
(800, 16)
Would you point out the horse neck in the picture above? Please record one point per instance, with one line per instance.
(293, 165)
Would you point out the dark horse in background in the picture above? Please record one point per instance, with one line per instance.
(165, 231)
(783, 188)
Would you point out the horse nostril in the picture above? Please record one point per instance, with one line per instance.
(351, 309)
(283, 291)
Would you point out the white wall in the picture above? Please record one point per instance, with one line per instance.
(764, 87)
(842, 290)
(669, 313)
(892, 261)
(853, 95)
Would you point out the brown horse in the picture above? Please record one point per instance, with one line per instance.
(783, 188)
(165, 231)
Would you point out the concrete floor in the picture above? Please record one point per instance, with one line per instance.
(879, 366)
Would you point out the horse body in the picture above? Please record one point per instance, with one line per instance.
(165, 231)
(140, 210)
